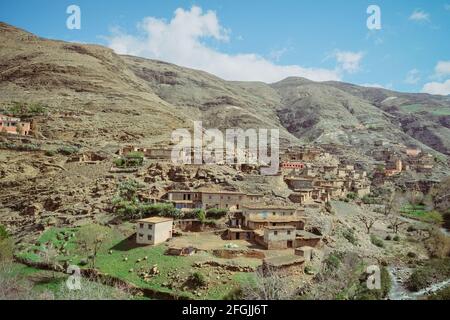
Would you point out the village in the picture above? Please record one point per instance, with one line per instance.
(228, 220)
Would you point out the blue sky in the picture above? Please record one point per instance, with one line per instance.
(264, 40)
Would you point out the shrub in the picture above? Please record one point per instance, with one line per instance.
(352, 196)
(388, 238)
(68, 150)
(160, 209)
(396, 238)
(349, 234)
(119, 162)
(376, 241)
(333, 261)
(3, 233)
(198, 279)
(367, 199)
(50, 153)
(216, 213)
(438, 244)
(432, 271)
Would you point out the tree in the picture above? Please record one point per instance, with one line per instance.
(415, 196)
(395, 222)
(391, 203)
(368, 222)
(49, 255)
(91, 239)
(267, 285)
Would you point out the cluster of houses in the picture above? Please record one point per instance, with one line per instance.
(14, 125)
(316, 176)
(272, 226)
(411, 159)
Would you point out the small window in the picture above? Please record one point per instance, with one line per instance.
(149, 237)
(289, 233)
(141, 235)
(150, 227)
(141, 225)
(275, 233)
(274, 213)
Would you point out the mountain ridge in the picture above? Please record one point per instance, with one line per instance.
(148, 99)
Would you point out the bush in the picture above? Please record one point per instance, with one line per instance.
(160, 209)
(333, 261)
(396, 238)
(119, 162)
(352, 196)
(349, 234)
(438, 244)
(367, 199)
(68, 150)
(216, 213)
(376, 241)
(3, 233)
(131, 160)
(388, 238)
(432, 271)
(198, 279)
(50, 153)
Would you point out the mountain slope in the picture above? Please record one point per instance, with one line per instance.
(122, 99)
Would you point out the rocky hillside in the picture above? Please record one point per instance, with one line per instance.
(123, 99)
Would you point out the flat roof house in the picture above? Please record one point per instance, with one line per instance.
(153, 231)
(14, 125)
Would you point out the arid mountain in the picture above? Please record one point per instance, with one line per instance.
(119, 99)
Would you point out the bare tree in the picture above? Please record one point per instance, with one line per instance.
(49, 255)
(268, 285)
(415, 196)
(368, 222)
(395, 222)
(391, 203)
(91, 239)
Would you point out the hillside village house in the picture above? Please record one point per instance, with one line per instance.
(274, 227)
(153, 231)
(199, 199)
(14, 125)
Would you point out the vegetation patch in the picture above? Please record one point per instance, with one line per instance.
(419, 212)
(431, 272)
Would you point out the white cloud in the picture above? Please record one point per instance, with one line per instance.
(437, 88)
(349, 61)
(420, 16)
(182, 41)
(442, 69)
(413, 76)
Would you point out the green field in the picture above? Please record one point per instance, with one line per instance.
(124, 259)
(437, 111)
(419, 212)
